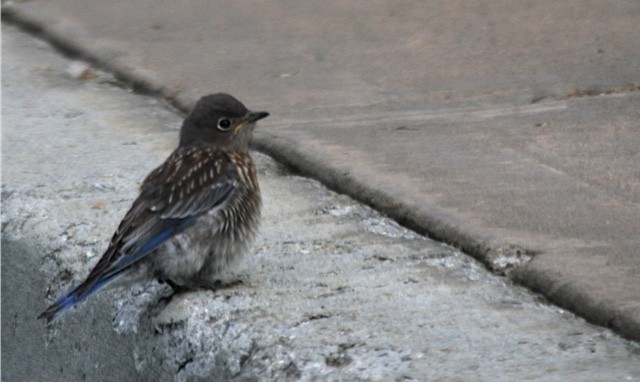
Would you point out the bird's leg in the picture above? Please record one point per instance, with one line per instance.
(213, 284)
(198, 283)
(177, 288)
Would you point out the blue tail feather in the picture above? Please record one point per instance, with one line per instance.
(71, 298)
(80, 293)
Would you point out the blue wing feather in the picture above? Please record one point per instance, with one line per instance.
(79, 293)
(123, 253)
(178, 226)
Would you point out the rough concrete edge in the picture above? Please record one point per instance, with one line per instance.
(425, 223)
(569, 295)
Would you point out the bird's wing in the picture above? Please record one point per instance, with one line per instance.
(190, 183)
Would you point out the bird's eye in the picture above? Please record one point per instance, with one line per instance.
(224, 124)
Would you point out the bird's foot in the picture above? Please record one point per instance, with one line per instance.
(179, 288)
(219, 284)
(200, 284)
(176, 289)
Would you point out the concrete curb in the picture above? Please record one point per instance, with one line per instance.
(331, 290)
(503, 258)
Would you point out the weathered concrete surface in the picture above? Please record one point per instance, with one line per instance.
(475, 122)
(61, 195)
(331, 291)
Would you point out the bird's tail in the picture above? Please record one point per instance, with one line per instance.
(74, 296)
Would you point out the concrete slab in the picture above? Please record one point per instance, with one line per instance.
(331, 291)
(507, 129)
(295, 56)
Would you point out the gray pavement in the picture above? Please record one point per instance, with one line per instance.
(331, 290)
(508, 129)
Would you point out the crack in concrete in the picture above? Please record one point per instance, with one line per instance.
(593, 91)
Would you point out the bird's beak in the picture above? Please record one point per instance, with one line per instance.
(250, 118)
(256, 115)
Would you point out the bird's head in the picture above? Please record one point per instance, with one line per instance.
(221, 120)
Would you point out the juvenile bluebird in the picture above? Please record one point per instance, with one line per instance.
(196, 213)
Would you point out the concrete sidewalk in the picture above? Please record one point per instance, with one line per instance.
(507, 129)
(331, 290)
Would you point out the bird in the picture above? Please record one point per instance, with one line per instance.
(196, 214)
